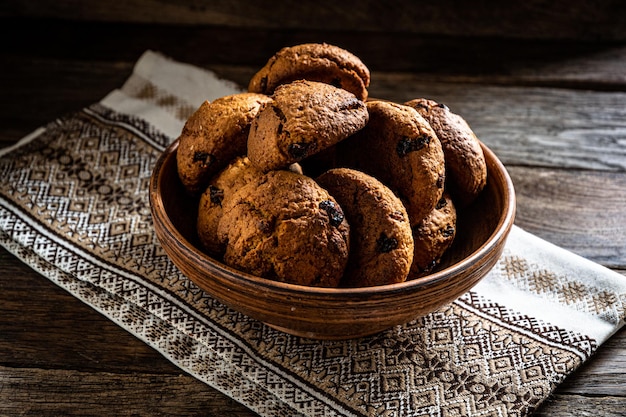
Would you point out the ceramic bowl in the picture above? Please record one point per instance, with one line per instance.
(335, 313)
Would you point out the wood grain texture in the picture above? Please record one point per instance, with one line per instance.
(582, 211)
(61, 392)
(538, 126)
(491, 60)
(577, 19)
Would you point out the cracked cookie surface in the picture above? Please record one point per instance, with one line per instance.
(303, 119)
(213, 135)
(284, 226)
(315, 62)
(381, 241)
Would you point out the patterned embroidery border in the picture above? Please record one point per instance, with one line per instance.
(582, 345)
(158, 333)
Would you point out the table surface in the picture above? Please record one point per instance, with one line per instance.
(523, 98)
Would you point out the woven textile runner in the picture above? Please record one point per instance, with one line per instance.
(74, 206)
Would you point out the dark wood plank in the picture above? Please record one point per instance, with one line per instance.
(574, 19)
(579, 210)
(54, 392)
(564, 63)
(581, 405)
(43, 326)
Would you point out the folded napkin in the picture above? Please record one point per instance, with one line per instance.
(74, 206)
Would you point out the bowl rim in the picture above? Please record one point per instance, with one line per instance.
(505, 223)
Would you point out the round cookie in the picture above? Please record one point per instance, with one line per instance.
(238, 173)
(381, 241)
(400, 149)
(215, 134)
(284, 226)
(466, 170)
(303, 118)
(433, 236)
(315, 62)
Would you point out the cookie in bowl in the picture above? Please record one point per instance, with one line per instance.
(400, 149)
(315, 62)
(302, 119)
(284, 226)
(381, 241)
(466, 170)
(215, 133)
(433, 236)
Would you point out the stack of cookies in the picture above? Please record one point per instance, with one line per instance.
(304, 179)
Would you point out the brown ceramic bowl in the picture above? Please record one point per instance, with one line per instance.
(330, 313)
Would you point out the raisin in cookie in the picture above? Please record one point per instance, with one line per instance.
(315, 62)
(433, 236)
(284, 226)
(238, 173)
(381, 241)
(465, 163)
(303, 118)
(400, 149)
(215, 134)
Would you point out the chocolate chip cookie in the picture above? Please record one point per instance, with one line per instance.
(433, 236)
(302, 119)
(315, 62)
(466, 169)
(381, 241)
(400, 149)
(238, 173)
(284, 226)
(216, 133)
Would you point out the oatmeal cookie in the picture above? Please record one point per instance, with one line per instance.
(466, 169)
(303, 118)
(284, 226)
(381, 241)
(315, 62)
(215, 134)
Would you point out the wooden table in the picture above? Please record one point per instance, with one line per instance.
(523, 96)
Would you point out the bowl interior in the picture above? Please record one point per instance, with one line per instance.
(476, 223)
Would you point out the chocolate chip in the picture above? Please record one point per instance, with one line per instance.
(443, 106)
(441, 204)
(397, 215)
(448, 231)
(265, 226)
(334, 212)
(440, 181)
(298, 150)
(216, 195)
(386, 244)
(264, 85)
(351, 105)
(204, 158)
(407, 145)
